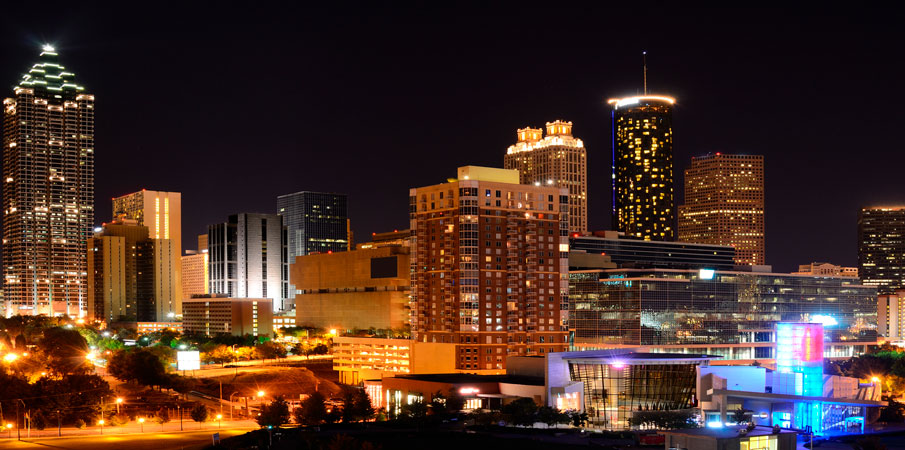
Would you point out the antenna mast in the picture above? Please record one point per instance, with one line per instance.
(644, 60)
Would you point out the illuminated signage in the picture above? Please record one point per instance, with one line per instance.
(706, 274)
(188, 360)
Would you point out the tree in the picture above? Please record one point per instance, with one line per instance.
(162, 417)
(313, 411)
(38, 421)
(269, 350)
(578, 418)
(551, 416)
(742, 415)
(220, 354)
(521, 411)
(894, 412)
(64, 351)
(361, 405)
(274, 414)
(664, 420)
(415, 411)
(140, 365)
(199, 413)
(321, 349)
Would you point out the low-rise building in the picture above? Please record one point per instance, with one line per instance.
(366, 288)
(826, 270)
(478, 391)
(366, 358)
(212, 315)
(284, 319)
(150, 327)
(737, 437)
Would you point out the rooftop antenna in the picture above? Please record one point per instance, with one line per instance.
(644, 60)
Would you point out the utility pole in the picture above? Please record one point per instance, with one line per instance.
(59, 424)
(221, 397)
(18, 432)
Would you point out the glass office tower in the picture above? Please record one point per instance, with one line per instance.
(881, 247)
(643, 190)
(316, 222)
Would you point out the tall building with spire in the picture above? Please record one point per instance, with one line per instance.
(643, 190)
(724, 205)
(48, 191)
(557, 159)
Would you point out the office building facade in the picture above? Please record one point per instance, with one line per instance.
(891, 315)
(489, 264)
(214, 315)
(316, 222)
(723, 313)
(643, 183)
(881, 247)
(48, 191)
(115, 255)
(724, 205)
(633, 252)
(827, 270)
(195, 275)
(247, 257)
(557, 159)
(161, 213)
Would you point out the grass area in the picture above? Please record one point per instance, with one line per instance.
(288, 381)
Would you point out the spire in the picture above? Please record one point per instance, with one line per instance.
(644, 61)
(48, 74)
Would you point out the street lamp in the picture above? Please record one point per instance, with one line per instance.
(219, 418)
(101, 423)
(119, 401)
(141, 422)
(9, 429)
(875, 380)
(231, 406)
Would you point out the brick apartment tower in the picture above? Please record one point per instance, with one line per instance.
(489, 267)
(724, 205)
(557, 159)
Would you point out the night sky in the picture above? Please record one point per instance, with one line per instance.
(234, 107)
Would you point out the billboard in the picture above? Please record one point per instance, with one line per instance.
(188, 360)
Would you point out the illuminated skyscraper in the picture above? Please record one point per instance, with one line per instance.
(161, 213)
(317, 222)
(489, 265)
(48, 191)
(724, 205)
(643, 204)
(881, 247)
(557, 159)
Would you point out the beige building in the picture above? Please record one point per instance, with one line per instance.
(213, 315)
(161, 213)
(364, 358)
(400, 238)
(724, 205)
(357, 289)
(284, 319)
(891, 314)
(195, 267)
(826, 270)
(490, 267)
(557, 159)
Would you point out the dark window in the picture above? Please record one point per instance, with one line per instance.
(384, 267)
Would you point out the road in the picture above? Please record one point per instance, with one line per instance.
(188, 440)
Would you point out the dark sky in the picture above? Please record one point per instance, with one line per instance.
(233, 107)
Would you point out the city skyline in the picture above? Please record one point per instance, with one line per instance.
(686, 68)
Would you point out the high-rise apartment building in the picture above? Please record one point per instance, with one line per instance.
(127, 278)
(247, 258)
(891, 314)
(161, 213)
(316, 222)
(489, 265)
(557, 159)
(881, 247)
(643, 190)
(48, 191)
(724, 205)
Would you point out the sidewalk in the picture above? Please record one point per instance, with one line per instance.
(132, 428)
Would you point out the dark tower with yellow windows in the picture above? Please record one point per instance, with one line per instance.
(643, 191)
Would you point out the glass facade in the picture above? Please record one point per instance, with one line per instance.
(316, 222)
(668, 255)
(643, 185)
(696, 310)
(614, 390)
(881, 247)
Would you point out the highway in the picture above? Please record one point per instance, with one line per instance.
(150, 440)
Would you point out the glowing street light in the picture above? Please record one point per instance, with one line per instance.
(9, 429)
(333, 331)
(219, 418)
(119, 401)
(101, 423)
(141, 421)
(875, 380)
(10, 357)
(260, 394)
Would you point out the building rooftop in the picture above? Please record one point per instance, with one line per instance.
(630, 357)
(727, 432)
(464, 378)
(49, 74)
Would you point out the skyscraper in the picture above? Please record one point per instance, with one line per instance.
(643, 191)
(724, 205)
(247, 255)
(121, 273)
(48, 191)
(489, 265)
(557, 159)
(161, 213)
(881, 247)
(316, 222)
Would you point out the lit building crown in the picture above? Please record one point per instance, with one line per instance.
(630, 101)
(49, 74)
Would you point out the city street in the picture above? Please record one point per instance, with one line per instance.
(152, 438)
